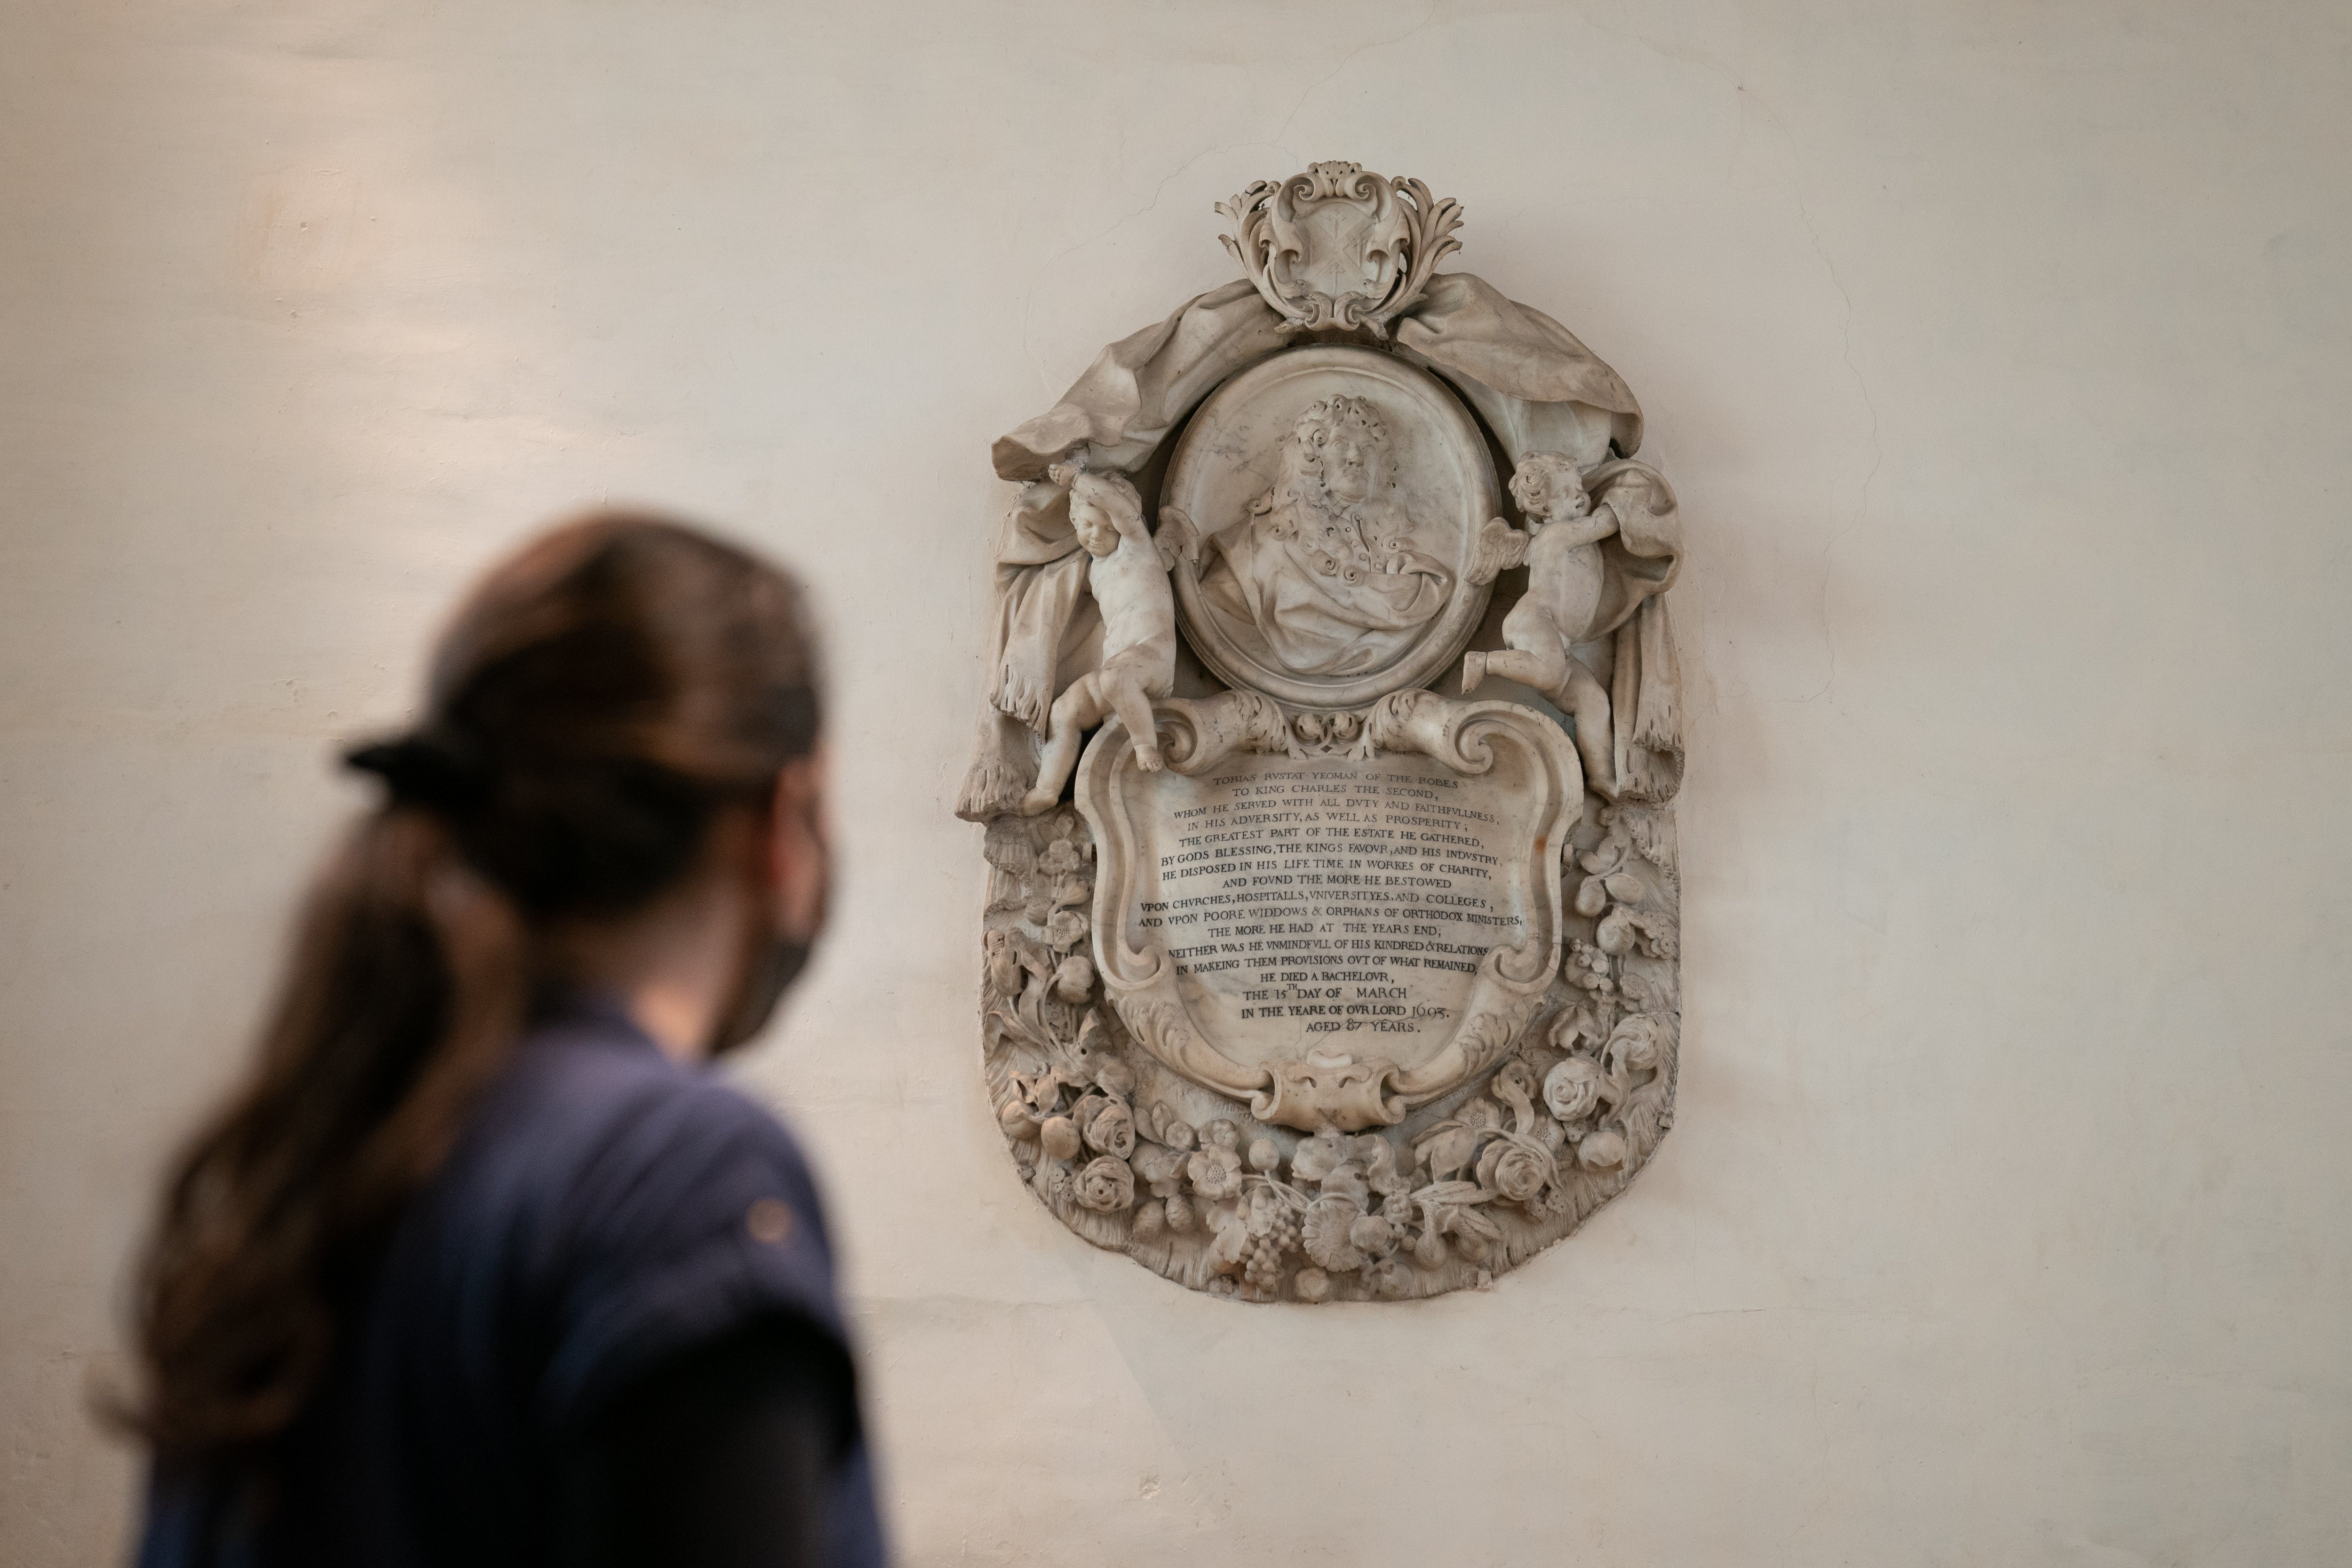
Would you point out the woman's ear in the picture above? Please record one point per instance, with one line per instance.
(799, 847)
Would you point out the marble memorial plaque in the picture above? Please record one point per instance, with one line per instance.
(1303, 981)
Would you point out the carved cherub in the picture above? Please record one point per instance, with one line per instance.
(1566, 579)
(1128, 579)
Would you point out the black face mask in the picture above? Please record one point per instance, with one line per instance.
(770, 963)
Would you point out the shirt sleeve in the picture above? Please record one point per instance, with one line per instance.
(694, 1217)
(719, 1457)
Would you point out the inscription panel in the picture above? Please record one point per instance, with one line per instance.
(1310, 903)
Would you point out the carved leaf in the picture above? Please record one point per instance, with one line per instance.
(1447, 1194)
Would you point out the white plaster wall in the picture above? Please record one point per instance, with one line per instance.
(2001, 354)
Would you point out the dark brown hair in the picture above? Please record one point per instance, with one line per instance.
(593, 706)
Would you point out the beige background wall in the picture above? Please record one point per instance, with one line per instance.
(2001, 354)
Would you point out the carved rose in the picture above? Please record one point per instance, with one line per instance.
(1572, 1089)
(1517, 1080)
(1106, 1184)
(1216, 1173)
(1515, 1172)
(1112, 1131)
(1066, 930)
(1639, 1042)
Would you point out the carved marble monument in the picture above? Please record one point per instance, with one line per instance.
(1305, 977)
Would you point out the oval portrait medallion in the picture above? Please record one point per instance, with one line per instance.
(1339, 494)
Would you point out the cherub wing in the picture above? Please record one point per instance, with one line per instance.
(1177, 539)
(1500, 548)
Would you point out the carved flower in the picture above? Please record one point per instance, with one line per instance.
(1074, 978)
(1067, 928)
(1216, 1173)
(1572, 1089)
(1312, 1284)
(1106, 1186)
(1112, 1131)
(1060, 858)
(1176, 1134)
(1512, 1170)
(1160, 1169)
(1517, 1077)
(1317, 1157)
(1222, 1134)
(1639, 1042)
(1481, 1113)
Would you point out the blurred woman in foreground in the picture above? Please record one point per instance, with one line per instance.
(478, 1265)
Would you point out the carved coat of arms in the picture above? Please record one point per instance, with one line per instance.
(1331, 724)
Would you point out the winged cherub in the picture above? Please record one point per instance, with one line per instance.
(1566, 580)
(1129, 580)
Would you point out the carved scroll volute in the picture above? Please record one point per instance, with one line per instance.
(1339, 248)
(1512, 980)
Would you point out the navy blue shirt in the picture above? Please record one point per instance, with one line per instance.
(606, 1211)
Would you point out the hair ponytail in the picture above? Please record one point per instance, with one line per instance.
(595, 702)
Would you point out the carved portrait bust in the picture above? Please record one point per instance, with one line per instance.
(1338, 495)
